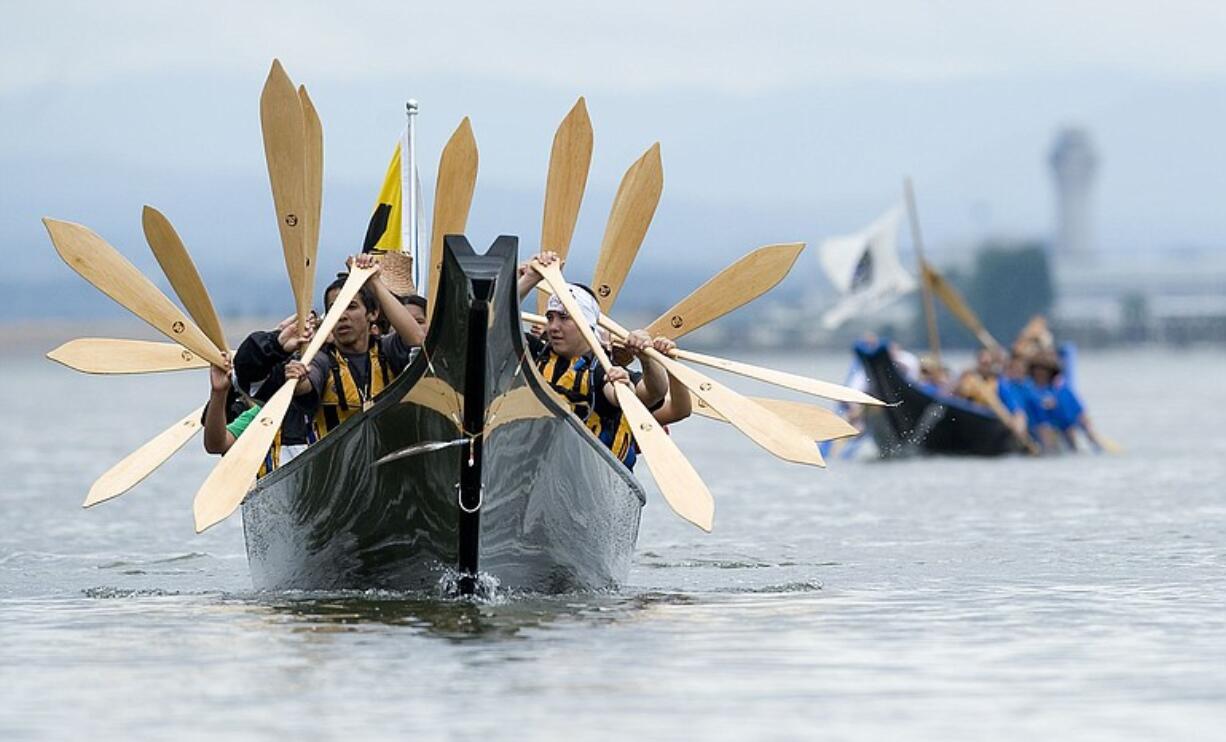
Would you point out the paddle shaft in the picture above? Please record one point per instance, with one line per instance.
(816, 387)
(958, 307)
(917, 241)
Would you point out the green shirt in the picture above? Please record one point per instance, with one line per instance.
(241, 422)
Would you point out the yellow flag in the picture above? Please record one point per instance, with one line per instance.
(384, 230)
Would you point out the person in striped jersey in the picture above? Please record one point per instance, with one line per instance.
(566, 362)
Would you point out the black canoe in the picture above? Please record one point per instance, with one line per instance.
(530, 498)
(924, 421)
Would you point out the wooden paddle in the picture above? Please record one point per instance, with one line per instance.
(313, 188)
(1108, 444)
(733, 287)
(817, 388)
(112, 356)
(989, 398)
(102, 265)
(957, 306)
(172, 255)
(569, 163)
(818, 423)
(680, 485)
(284, 127)
(140, 463)
(762, 426)
(233, 476)
(633, 207)
(453, 195)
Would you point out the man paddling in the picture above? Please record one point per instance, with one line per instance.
(1057, 410)
(358, 364)
(240, 390)
(565, 361)
(220, 435)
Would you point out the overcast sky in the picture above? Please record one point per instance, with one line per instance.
(778, 121)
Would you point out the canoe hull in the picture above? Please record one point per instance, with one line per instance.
(923, 422)
(525, 496)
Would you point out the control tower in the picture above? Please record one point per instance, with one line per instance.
(1074, 165)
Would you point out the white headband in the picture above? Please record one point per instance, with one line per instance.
(587, 305)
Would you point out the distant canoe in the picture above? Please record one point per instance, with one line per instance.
(923, 421)
(525, 494)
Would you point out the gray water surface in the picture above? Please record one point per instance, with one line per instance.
(1070, 598)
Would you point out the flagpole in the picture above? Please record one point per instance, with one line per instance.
(408, 187)
(930, 315)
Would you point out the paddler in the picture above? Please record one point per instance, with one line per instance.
(563, 357)
(240, 390)
(1057, 409)
(219, 435)
(358, 363)
(1012, 388)
(560, 352)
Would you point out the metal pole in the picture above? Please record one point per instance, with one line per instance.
(408, 188)
(930, 315)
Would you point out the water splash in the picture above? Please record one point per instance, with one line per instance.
(110, 593)
(481, 587)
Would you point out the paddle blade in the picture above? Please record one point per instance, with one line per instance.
(140, 463)
(731, 288)
(313, 139)
(453, 195)
(113, 356)
(569, 163)
(824, 389)
(818, 423)
(633, 207)
(682, 488)
(283, 125)
(111, 273)
(172, 255)
(228, 483)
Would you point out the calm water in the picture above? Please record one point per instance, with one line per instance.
(1077, 598)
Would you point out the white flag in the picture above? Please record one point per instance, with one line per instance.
(865, 269)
